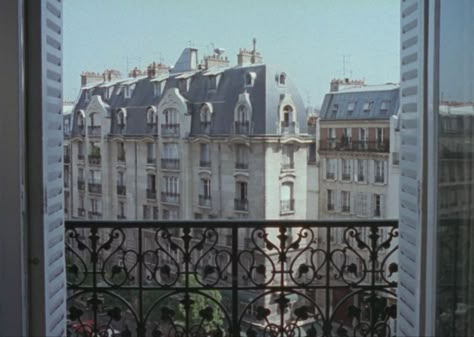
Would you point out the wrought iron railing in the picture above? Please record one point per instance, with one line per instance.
(352, 145)
(170, 164)
(232, 278)
(170, 130)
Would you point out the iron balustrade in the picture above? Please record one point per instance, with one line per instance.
(170, 164)
(170, 130)
(204, 163)
(151, 161)
(379, 178)
(95, 188)
(346, 176)
(241, 166)
(170, 197)
(94, 130)
(94, 159)
(242, 127)
(67, 159)
(241, 204)
(150, 194)
(232, 278)
(80, 157)
(204, 200)
(121, 190)
(352, 145)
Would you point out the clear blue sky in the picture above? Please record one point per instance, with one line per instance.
(308, 38)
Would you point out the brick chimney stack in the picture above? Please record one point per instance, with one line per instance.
(249, 56)
(135, 73)
(88, 77)
(156, 69)
(339, 84)
(110, 75)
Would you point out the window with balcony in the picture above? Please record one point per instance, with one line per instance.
(379, 170)
(346, 169)
(363, 138)
(151, 186)
(67, 154)
(377, 205)
(170, 124)
(330, 198)
(170, 189)
(346, 138)
(205, 155)
(241, 157)
(81, 210)
(330, 168)
(287, 201)
(170, 158)
(360, 170)
(205, 192)
(205, 117)
(241, 201)
(287, 162)
(379, 140)
(150, 153)
(94, 154)
(242, 124)
(95, 210)
(121, 151)
(121, 210)
(345, 201)
(80, 150)
(80, 179)
(121, 187)
(331, 138)
(94, 128)
(95, 181)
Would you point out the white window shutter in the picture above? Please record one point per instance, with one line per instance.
(45, 141)
(411, 148)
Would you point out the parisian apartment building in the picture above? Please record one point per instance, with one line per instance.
(199, 140)
(358, 151)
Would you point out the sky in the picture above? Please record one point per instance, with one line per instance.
(314, 41)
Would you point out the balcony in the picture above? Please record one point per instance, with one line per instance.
(345, 208)
(94, 130)
(121, 158)
(379, 179)
(122, 277)
(151, 194)
(331, 145)
(330, 175)
(95, 188)
(150, 161)
(205, 200)
(241, 205)
(204, 163)
(94, 215)
(169, 130)
(81, 185)
(287, 206)
(121, 190)
(170, 198)
(169, 164)
(345, 176)
(94, 159)
(151, 127)
(241, 166)
(241, 127)
(81, 212)
(67, 158)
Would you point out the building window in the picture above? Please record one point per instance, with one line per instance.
(205, 115)
(363, 137)
(242, 124)
(171, 214)
(241, 157)
(332, 138)
(384, 106)
(345, 201)
(121, 210)
(205, 155)
(346, 169)
(346, 137)
(330, 168)
(361, 167)
(250, 79)
(120, 178)
(146, 212)
(128, 90)
(151, 116)
(80, 150)
(95, 207)
(151, 186)
(121, 151)
(80, 118)
(287, 202)
(212, 82)
(368, 106)
(205, 192)
(282, 79)
(334, 109)
(377, 205)
(288, 157)
(379, 166)
(170, 185)
(351, 107)
(287, 116)
(361, 204)
(241, 202)
(121, 118)
(150, 153)
(330, 200)
(183, 85)
(170, 125)
(379, 136)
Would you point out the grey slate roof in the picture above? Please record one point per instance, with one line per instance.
(264, 96)
(377, 94)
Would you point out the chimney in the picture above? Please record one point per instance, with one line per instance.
(249, 56)
(215, 61)
(339, 84)
(110, 75)
(135, 73)
(88, 77)
(156, 69)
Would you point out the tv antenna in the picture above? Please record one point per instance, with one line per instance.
(346, 59)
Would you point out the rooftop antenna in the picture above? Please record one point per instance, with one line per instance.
(254, 45)
(345, 59)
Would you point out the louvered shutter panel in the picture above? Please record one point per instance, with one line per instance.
(410, 167)
(45, 142)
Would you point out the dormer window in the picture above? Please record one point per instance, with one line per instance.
(384, 105)
(287, 116)
(335, 107)
(250, 79)
(151, 116)
(129, 90)
(282, 79)
(212, 82)
(80, 118)
(183, 85)
(205, 116)
(158, 87)
(351, 107)
(121, 118)
(242, 122)
(368, 106)
(88, 95)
